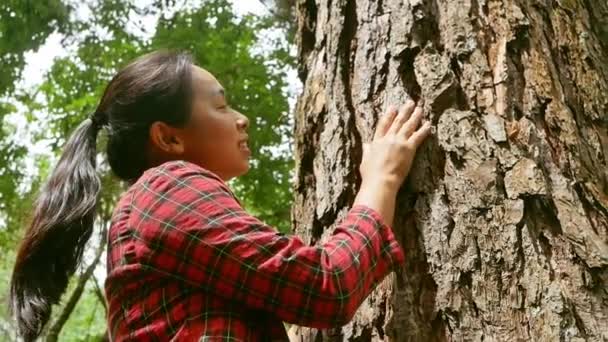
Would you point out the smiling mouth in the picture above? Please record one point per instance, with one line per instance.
(243, 146)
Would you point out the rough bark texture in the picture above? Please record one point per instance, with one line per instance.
(504, 219)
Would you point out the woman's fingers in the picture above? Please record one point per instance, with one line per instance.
(402, 117)
(412, 124)
(420, 135)
(385, 122)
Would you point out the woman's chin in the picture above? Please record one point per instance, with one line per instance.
(244, 168)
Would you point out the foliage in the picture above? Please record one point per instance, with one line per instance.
(24, 25)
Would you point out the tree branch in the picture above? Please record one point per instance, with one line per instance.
(53, 333)
(100, 295)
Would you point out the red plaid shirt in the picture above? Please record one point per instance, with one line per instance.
(186, 262)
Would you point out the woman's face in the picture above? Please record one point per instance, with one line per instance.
(216, 135)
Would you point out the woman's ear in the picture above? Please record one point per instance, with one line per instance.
(166, 139)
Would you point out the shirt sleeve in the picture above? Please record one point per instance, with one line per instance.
(201, 235)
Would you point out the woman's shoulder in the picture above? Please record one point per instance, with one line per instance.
(176, 181)
(177, 170)
(172, 177)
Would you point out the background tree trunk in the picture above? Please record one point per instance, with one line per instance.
(504, 218)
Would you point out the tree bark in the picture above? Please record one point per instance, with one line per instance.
(504, 217)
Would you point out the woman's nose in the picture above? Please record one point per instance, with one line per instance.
(242, 121)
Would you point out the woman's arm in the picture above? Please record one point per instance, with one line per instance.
(202, 236)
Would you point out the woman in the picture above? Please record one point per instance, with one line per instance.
(185, 261)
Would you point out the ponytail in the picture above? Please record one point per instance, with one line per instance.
(61, 225)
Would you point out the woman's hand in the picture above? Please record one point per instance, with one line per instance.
(388, 158)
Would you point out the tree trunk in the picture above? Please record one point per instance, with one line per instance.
(504, 217)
